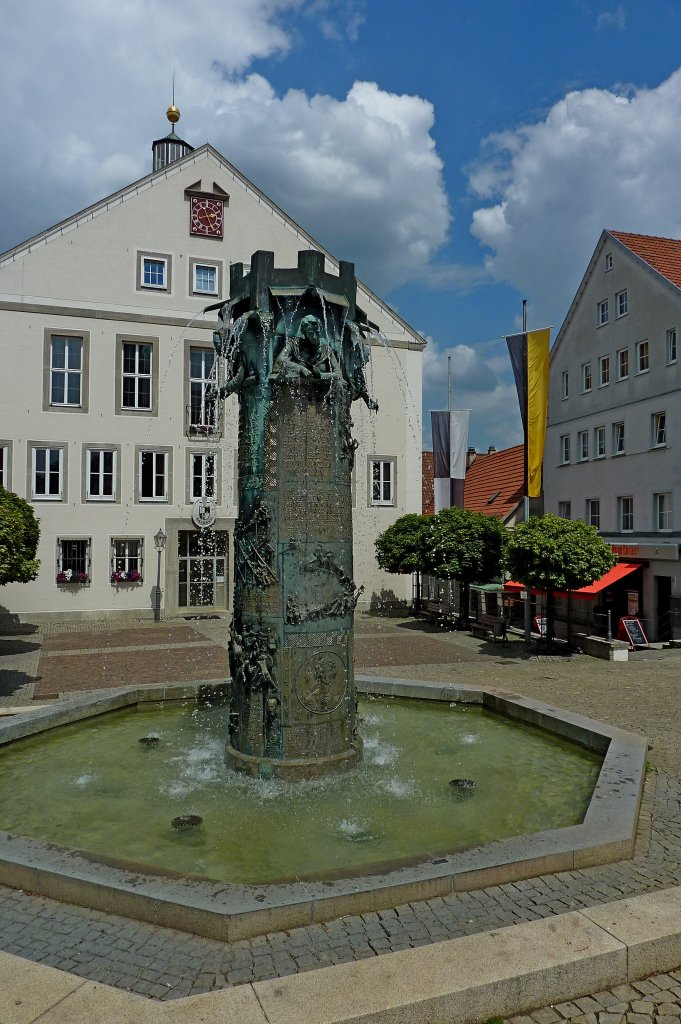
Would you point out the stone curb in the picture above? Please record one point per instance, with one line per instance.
(461, 981)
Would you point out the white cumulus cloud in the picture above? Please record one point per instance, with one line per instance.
(599, 159)
(85, 90)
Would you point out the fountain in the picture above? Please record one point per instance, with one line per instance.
(293, 348)
(292, 343)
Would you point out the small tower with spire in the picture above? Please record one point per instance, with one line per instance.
(171, 147)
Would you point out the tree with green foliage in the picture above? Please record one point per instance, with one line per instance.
(401, 548)
(19, 534)
(550, 553)
(465, 546)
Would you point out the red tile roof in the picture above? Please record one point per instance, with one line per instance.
(494, 483)
(662, 254)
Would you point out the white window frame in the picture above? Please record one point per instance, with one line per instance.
(46, 495)
(90, 493)
(137, 376)
(662, 512)
(66, 372)
(565, 449)
(87, 556)
(564, 385)
(603, 371)
(599, 442)
(625, 513)
(565, 509)
(382, 476)
(208, 411)
(205, 459)
(160, 458)
(5, 465)
(593, 512)
(622, 303)
(603, 313)
(618, 438)
(583, 446)
(146, 261)
(642, 356)
(608, 261)
(587, 378)
(124, 559)
(671, 346)
(658, 427)
(196, 267)
(623, 352)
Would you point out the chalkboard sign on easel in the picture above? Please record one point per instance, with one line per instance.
(631, 630)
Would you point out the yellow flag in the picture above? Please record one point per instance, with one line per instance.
(537, 405)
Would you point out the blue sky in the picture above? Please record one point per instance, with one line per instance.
(464, 154)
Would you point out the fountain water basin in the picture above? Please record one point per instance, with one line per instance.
(271, 891)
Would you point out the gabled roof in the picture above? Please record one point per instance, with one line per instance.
(659, 256)
(494, 483)
(662, 254)
(155, 177)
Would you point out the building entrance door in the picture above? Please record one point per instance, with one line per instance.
(202, 565)
(663, 588)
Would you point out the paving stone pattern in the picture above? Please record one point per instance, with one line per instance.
(164, 964)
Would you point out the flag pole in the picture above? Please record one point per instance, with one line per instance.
(527, 610)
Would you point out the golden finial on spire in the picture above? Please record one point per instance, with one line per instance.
(172, 113)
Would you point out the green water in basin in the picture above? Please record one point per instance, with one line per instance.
(94, 787)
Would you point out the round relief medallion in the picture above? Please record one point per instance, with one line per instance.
(322, 683)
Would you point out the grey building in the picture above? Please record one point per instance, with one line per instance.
(613, 455)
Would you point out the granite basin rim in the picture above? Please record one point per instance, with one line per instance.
(233, 911)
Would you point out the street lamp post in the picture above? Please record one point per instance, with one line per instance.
(160, 542)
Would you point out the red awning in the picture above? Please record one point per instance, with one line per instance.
(618, 572)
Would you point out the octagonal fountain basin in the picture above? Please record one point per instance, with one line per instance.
(124, 803)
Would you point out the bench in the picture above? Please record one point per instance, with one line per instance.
(489, 627)
(440, 613)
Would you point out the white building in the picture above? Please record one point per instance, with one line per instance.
(612, 454)
(103, 421)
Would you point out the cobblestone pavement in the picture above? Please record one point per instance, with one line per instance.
(656, 1000)
(161, 963)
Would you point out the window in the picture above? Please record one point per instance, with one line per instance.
(663, 512)
(100, 474)
(599, 442)
(603, 371)
(671, 345)
(66, 370)
(153, 476)
(47, 473)
(593, 512)
(136, 382)
(659, 429)
(586, 376)
(202, 476)
(565, 449)
(4, 465)
(127, 559)
(564, 509)
(623, 364)
(73, 560)
(154, 271)
(608, 261)
(382, 481)
(602, 313)
(625, 514)
(202, 413)
(205, 278)
(583, 445)
(642, 357)
(618, 438)
(564, 385)
(622, 301)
